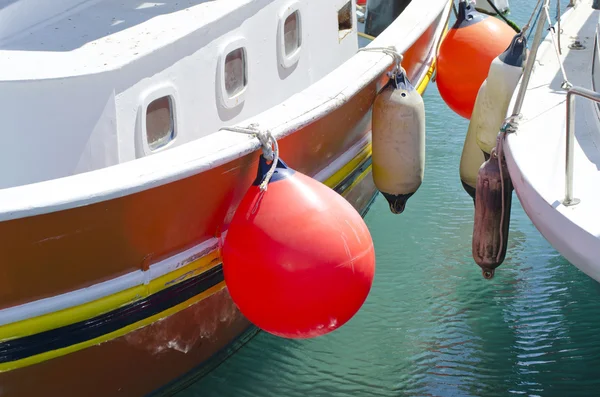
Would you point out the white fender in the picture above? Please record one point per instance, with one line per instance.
(471, 159)
(398, 129)
(496, 92)
(490, 109)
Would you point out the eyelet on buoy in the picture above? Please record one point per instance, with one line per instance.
(398, 131)
(466, 54)
(298, 259)
(488, 274)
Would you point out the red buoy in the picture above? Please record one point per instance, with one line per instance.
(298, 259)
(466, 55)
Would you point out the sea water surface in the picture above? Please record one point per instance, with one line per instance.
(432, 326)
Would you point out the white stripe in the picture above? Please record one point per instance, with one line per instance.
(342, 160)
(107, 288)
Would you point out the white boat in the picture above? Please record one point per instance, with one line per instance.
(121, 171)
(553, 156)
(485, 6)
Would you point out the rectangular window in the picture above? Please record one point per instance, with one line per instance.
(160, 126)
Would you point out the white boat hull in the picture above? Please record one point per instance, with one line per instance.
(535, 153)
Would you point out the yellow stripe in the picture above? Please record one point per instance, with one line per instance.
(347, 169)
(104, 305)
(112, 302)
(357, 180)
(73, 348)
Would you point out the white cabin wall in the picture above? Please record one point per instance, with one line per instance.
(194, 80)
(61, 126)
(47, 134)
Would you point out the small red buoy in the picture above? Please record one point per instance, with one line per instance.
(466, 55)
(298, 259)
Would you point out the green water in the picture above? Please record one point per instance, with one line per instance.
(432, 326)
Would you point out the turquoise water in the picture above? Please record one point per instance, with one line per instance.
(432, 326)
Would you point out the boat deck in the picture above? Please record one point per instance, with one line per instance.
(538, 148)
(92, 36)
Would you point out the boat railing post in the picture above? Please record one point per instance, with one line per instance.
(570, 147)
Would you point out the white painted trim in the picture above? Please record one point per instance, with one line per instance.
(342, 160)
(106, 288)
(313, 103)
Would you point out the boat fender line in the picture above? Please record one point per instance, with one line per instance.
(496, 93)
(398, 140)
(270, 153)
(493, 198)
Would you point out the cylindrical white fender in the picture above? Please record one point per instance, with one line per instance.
(471, 159)
(398, 129)
(495, 93)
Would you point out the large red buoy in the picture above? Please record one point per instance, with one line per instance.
(298, 259)
(466, 55)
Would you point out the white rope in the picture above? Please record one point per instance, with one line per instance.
(511, 124)
(269, 146)
(566, 84)
(391, 50)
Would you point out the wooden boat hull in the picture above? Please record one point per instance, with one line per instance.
(181, 320)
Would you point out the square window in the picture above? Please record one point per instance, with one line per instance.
(291, 33)
(235, 72)
(160, 125)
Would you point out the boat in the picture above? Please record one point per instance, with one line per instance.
(492, 7)
(131, 132)
(552, 152)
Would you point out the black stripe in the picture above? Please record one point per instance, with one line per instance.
(72, 334)
(345, 184)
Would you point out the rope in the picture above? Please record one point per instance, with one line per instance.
(566, 83)
(391, 51)
(501, 15)
(271, 153)
(499, 156)
(531, 17)
(366, 36)
(558, 18)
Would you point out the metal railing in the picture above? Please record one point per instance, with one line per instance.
(588, 94)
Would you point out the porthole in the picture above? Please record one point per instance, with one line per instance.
(290, 35)
(157, 119)
(235, 72)
(233, 76)
(160, 123)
